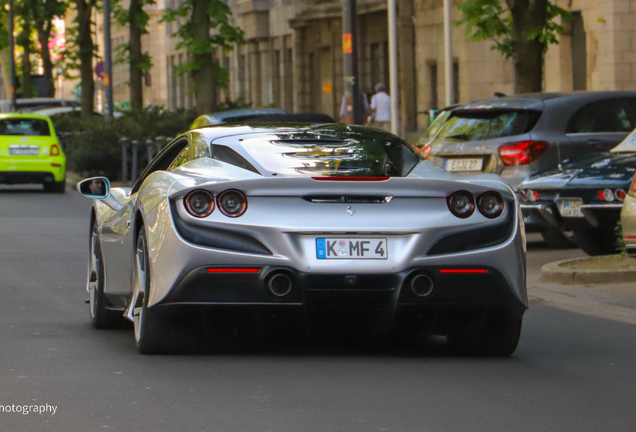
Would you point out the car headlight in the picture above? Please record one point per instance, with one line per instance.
(461, 204)
(491, 205)
(232, 203)
(199, 203)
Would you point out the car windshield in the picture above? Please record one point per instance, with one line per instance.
(350, 154)
(477, 125)
(25, 127)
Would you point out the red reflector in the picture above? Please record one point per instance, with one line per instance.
(55, 150)
(462, 271)
(343, 178)
(56, 165)
(601, 195)
(536, 195)
(522, 153)
(233, 270)
(630, 237)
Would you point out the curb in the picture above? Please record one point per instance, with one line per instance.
(553, 272)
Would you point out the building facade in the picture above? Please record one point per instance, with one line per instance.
(293, 56)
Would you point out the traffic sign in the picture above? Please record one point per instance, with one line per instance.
(99, 69)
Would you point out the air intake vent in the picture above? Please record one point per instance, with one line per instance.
(351, 199)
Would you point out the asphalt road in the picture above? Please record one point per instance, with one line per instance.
(570, 373)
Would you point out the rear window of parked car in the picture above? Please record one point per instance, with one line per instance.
(612, 115)
(24, 127)
(477, 125)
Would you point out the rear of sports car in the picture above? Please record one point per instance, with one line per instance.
(30, 152)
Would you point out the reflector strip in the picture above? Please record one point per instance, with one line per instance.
(233, 270)
(630, 237)
(462, 271)
(343, 178)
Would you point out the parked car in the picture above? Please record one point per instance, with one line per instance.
(518, 136)
(34, 104)
(432, 130)
(232, 116)
(280, 220)
(30, 152)
(584, 196)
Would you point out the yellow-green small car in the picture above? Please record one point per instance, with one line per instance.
(30, 152)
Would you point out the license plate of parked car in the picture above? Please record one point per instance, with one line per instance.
(351, 248)
(570, 207)
(463, 164)
(30, 151)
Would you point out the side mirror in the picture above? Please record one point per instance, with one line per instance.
(98, 188)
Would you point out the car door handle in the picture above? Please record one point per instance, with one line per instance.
(597, 142)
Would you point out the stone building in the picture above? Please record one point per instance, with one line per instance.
(293, 56)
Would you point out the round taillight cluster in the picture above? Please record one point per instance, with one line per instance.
(462, 204)
(610, 195)
(200, 203)
(529, 195)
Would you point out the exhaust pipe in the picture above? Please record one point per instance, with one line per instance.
(279, 284)
(421, 285)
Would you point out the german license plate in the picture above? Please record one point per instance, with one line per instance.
(24, 150)
(570, 207)
(351, 248)
(463, 164)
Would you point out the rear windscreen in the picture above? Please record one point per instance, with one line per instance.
(25, 127)
(371, 154)
(482, 125)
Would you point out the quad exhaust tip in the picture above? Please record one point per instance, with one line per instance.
(279, 284)
(421, 285)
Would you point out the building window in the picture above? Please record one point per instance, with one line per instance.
(579, 53)
(432, 72)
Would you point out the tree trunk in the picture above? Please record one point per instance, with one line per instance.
(136, 56)
(86, 55)
(25, 43)
(204, 76)
(44, 34)
(527, 16)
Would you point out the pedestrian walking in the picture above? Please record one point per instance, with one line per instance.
(381, 108)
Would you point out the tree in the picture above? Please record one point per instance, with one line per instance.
(522, 31)
(79, 52)
(43, 13)
(202, 17)
(23, 40)
(139, 63)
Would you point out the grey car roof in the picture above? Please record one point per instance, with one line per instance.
(540, 100)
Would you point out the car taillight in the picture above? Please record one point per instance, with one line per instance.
(606, 195)
(199, 203)
(620, 194)
(425, 150)
(232, 203)
(55, 150)
(522, 153)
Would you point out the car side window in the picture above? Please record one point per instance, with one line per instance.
(162, 161)
(612, 115)
(182, 158)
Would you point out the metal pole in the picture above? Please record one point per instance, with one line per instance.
(350, 57)
(108, 68)
(448, 53)
(135, 151)
(393, 65)
(12, 87)
(124, 159)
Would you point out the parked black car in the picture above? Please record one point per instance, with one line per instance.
(584, 196)
(519, 136)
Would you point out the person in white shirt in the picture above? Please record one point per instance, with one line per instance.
(381, 108)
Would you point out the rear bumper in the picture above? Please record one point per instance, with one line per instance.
(544, 214)
(18, 171)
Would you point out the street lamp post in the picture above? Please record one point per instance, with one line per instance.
(448, 53)
(350, 58)
(393, 65)
(108, 63)
(12, 88)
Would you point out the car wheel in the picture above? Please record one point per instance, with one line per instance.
(596, 242)
(101, 317)
(493, 334)
(154, 334)
(555, 238)
(55, 187)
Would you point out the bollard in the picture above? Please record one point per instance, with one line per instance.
(150, 148)
(124, 159)
(135, 151)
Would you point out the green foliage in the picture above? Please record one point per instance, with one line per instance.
(224, 36)
(140, 20)
(490, 20)
(92, 144)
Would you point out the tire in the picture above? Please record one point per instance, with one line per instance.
(596, 242)
(154, 334)
(101, 317)
(493, 334)
(55, 187)
(557, 239)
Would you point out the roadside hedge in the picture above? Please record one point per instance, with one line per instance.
(93, 144)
